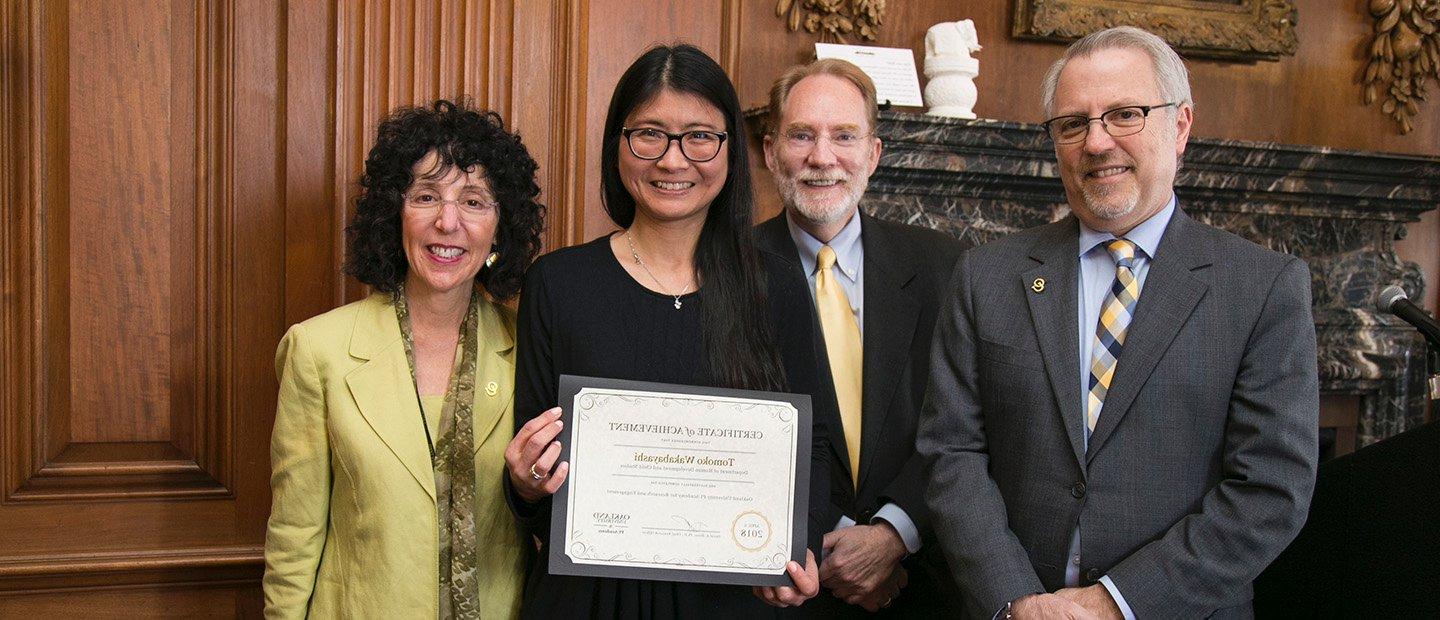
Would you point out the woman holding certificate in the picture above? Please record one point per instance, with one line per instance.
(394, 411)
(680, 295)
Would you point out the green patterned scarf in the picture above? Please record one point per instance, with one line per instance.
(453, 457)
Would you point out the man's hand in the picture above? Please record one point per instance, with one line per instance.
(862, 564)
(1049, 606)
(883, 595)
(1095, 599)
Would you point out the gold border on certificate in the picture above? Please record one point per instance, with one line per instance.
(661, 480)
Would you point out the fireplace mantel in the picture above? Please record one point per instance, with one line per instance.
(1339, 210)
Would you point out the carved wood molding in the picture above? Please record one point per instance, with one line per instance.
(169, 567)
(565, 220)
(833, 19)
(1404, 52)
(1241, 30)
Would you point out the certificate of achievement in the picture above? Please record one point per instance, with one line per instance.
(681, 483)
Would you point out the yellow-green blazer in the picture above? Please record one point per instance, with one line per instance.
(353, 529)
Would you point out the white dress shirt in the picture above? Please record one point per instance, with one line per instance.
(850, 268)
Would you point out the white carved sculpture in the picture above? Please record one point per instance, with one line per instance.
(950, 69)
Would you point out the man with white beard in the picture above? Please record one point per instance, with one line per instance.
(876, 287)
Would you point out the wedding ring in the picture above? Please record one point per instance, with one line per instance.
(535, 474)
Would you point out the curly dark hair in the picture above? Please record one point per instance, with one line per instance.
(463, 137)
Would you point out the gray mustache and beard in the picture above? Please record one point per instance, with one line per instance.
(1109, 202)
(792, 193)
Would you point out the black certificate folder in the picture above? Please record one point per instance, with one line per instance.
(681, 483)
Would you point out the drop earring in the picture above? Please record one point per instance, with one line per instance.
(490, 260)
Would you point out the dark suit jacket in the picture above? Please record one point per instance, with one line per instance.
(905, 266)
(1202, 464)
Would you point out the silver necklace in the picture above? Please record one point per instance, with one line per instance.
(636, 255)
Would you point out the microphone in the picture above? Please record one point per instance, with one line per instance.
(1394, 300)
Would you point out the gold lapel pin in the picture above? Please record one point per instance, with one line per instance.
(1038, 285)
(491, 388)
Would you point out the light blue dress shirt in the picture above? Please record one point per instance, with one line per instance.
(1097, 273)
(850, 263)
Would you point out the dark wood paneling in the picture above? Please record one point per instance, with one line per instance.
(208, 599)
(121, 156)
(122, 272)
(143, 211)
(78, 571)
(313, 228)
(547, 96)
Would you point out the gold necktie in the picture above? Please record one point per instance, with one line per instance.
(1115, 316)
(843, 348)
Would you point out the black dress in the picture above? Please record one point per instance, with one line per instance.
(582, 314)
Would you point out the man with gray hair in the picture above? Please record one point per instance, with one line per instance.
(1122, 417)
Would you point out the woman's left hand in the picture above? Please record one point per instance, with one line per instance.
(807, 584)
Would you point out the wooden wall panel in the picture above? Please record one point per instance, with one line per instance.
(120, 156)
(313, 248)
(199, 602)
(143, 206)
(115, 257)
(548, 92)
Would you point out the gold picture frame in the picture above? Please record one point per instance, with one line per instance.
(1245, 30)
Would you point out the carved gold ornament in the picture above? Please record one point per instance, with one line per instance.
(1245, 30)
(833, 19)
(1403, 53)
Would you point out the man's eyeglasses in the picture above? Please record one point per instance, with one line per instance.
(1119, 122)
(648, 143)
(805, 139)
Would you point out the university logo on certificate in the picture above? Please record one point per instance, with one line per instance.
(681, 483)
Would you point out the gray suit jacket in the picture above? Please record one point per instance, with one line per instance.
(1201, 466)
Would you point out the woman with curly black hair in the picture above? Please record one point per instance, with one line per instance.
(394, 411)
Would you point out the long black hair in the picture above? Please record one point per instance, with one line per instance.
(738, 339)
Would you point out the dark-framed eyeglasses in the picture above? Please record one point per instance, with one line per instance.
(1119, 122)
(648, 143)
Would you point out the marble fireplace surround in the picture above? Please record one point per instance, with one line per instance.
(1339, 210)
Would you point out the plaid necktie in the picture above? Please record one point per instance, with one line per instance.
(1115, 317)
(843, 347)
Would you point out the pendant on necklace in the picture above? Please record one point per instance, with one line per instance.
(677, 303)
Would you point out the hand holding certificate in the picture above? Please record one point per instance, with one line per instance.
(535, 444)
(681, 483)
